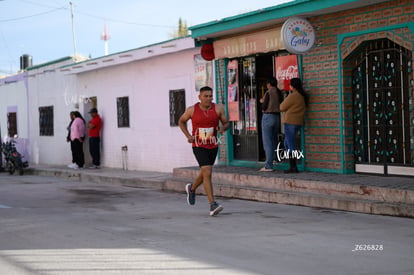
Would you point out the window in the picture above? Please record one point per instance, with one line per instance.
(122, 106)
(46, 120)
(12, 124)
(177, 105)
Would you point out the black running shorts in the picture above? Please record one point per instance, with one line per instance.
(205, 157)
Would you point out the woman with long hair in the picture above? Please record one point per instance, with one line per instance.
(294, 107)
(77, 137)
(72, 117)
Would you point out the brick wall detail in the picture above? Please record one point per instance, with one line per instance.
(321, 77)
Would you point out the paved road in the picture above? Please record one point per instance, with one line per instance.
(55, 226)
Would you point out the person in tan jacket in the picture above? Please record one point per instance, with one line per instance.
(294, 107)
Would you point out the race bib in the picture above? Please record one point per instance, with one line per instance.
(205, 135)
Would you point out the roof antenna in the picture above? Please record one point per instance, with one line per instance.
(105, 37)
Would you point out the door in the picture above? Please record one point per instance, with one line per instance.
(88, 104)
(245, 129)
(245, 90)
(381, 115)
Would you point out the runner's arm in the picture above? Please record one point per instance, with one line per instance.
(182, 122)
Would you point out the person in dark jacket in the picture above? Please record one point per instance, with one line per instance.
(72, 117)
(270, 122)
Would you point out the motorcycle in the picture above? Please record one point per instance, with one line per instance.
(13, 159)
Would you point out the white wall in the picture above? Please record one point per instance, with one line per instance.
(49, 87)
(152, 143)
(13, 98)
(13, 95)
(145, 75)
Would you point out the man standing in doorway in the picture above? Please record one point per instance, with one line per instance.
(205, 117)
(95, 125)
(270, 122)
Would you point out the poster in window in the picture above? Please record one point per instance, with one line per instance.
(232, 77)
(286, 69)
(203, 72)
(233, 108)
(251, 112)
(233, 90)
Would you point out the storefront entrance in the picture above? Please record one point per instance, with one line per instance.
(381, 109)
(247, 82)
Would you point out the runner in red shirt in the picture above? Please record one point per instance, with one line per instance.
(205, 117)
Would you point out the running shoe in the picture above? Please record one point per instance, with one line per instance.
(190, 194)
(215, 209)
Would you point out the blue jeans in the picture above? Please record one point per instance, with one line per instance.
(290, 136)
(270, 131)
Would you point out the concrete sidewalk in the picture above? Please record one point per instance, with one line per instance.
(371, 194)
(139, 179)
(56, 226)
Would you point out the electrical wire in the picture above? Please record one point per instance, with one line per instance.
(106, 19)
(6, 46)
(122, 21)
(55, 6)
(39, 4)
(30, 16)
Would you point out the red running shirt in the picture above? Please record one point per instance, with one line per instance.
(205, 127)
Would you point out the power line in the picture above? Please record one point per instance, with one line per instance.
(54, 8)
(122, 21)
(5, 44)
(29, 16)
(6, 72)
(40, 4)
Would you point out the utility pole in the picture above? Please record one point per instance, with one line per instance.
(73, 33)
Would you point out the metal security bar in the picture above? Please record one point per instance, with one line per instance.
(46, 121)
(122, 105)
(381, 116)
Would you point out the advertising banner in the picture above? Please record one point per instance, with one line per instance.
(286, 69)
(203, 72)
(233, 90)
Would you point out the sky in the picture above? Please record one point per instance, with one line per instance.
(43, 28)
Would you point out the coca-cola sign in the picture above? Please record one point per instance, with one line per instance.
(286, 69)
(297, 35)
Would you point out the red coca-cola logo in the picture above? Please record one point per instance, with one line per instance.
(286, 69)
(288, 73)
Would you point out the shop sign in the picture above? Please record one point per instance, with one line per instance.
(243, 45)
(286, 68)
(298, 35)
